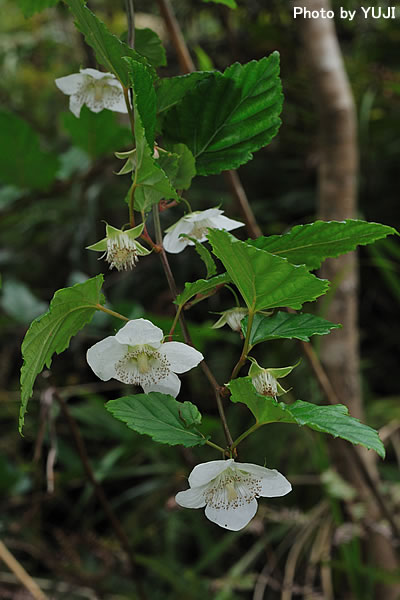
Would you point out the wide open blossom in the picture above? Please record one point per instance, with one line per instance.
(196, 225)
(95, 89)
(137, 355)
(121, 248)
(229, 490)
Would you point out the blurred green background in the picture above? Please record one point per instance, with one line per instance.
(49, 516)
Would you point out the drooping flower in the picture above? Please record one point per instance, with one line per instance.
(266, 380)
(195, 225)
(95, 89)
(121, 248)
(229, 491)
(231, 317)
(137, 355)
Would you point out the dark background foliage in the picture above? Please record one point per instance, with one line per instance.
(51, 520)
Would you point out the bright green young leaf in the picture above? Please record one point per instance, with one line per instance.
(170, 90)
(70, 309)
(263, 279)
(333, 419)
(22, 162)
(99, 134)
(30, 7)
(161, 417)
(286, 325)
(108, 48)
(148, 44)
(230, 3)
(311, 244)
(228, 116)
(201, 286)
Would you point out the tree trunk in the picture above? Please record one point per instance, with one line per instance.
(337, 200)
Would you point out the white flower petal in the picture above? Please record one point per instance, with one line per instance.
(180, 356)
(206, 472)
(96, 74)
(172, 242)
(113, 99)
(192, 498)
(103, 356)
(168, 385)
(273, 483)
(70, 84)
(75, 105)
(222, 222)
(210, 213)
(232, 518)
(138, 332)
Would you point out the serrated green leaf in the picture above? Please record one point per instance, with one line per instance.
(109, 50)
(286, 325)
(204, 255)
(170, 90)
(263, 279)
(161, 417)
(148, 44)
(70, 309)
(98, 134)
(22, 162)
(150, 180)
(229, 3)
(228, 116)
(311, 244)
(201, 286)
(333, 419)
(186, 166)
(30, 7)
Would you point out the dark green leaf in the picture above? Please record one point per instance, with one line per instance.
(204, 255)
(186, 166)
(311, 244)
(201, 286)
(109, 50)
(148, 44)
(161, 417)
(334, 420)
(230, 3)
(286, 325)
(22, 162)
(263, 279)
(98, 134)
(228, 116)
(70, 309)
(170, 90)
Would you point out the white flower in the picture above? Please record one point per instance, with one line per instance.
(266, 380)
(232, 317)
(95, 89)
(138, 356)
(195, 225)
(229, 490)
(120, 247)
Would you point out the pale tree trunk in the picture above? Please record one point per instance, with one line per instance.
(337, 200)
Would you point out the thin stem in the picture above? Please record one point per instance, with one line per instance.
(131, 201)
(216, 447)
(246, 344)
(245, 434)
(111, 312)
(185, 331)
(130, 14)
(130, 111)
(20, 573)
(99, 491)
(177, 315)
